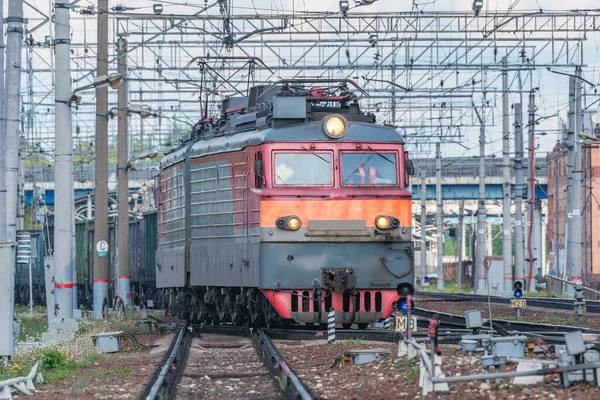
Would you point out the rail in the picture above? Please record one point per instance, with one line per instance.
(560, 304)
(289, 383)
(177, 354)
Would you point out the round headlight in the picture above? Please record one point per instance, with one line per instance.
(335, 126)
(382, 222)
(294, 223)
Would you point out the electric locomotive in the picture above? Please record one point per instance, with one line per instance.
(292, 203)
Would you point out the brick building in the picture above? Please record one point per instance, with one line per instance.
(590, 210)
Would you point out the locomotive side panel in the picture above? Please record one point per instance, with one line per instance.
(170, 257)
(224, 236)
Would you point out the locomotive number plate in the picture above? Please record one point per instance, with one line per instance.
(401, 323)
(518, 303)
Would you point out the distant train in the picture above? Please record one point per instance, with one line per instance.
(142, 262)
(292, 203)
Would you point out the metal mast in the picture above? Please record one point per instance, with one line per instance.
(123, 282)
(64, 203)
(576, 233)
(460, 234)
(424, 267)
(531, 191)
(101, 225)
(439, 217)
(506, 200)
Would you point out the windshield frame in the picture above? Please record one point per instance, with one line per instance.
(374, 153)
(311, 152)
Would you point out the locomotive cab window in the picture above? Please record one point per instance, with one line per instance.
(303, 169)
(372, 168)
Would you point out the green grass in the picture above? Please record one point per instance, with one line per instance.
(449, 287)
(32, 325)
(351, 341)
(67, 369)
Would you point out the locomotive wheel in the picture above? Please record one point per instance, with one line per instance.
(363, 326)
(347, 325)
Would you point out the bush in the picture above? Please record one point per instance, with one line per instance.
(53, 359)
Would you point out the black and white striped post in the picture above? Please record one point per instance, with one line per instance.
(331, 326)
(386, 323)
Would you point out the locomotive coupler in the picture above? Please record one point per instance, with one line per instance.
(339, 279)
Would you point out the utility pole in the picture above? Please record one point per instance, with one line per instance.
(439, 217)
(460, 241)
(64, 265)
(531, 190)
(2, 132)
(576, 232)
(123, 282)
(481, 209)
(14, 39)
(101, 225)
(424, 267)
(506, 200)
(519, 185)
(571, 148)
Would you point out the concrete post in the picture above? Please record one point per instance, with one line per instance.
(101, 255)
(576, 231)
(14, 39)
(3, 227)
(64, 214)
(506, 194)
(571, 159)
(460, 242)
(424, 267)
(531, 194)
(519, 186)
(481, 209)
(537, 220)
(439, 217)
(7, 292)
(123, 282)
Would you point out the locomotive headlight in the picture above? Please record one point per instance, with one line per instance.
(290, 223)
(335, 126)
(294, 223)
(386, 222)
(382, 222)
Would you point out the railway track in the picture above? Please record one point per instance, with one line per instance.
(549, 303)
(451, 321)
(276, 381)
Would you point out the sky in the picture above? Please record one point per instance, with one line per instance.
(551, 100)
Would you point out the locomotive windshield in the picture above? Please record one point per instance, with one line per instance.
(369, 168)
(303, 169)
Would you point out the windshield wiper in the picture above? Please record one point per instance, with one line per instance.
(315, 154)
(381, 155)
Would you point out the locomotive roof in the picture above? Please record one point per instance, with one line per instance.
(300, 132)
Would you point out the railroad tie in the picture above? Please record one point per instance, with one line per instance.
(331, 326)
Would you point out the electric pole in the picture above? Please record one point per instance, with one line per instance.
(439, 217)
(424, 267)
(531, 190)
(101, 256)
(519, 185)
(460, 241)
(571, 148)
(506, 198)
(123, 282)
(576, 232)
(2, 132)
(64, 265)
(14, 40)
(481, 209)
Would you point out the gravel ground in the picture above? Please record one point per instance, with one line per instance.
(121, 375)
(500, 311)
(398, 378)
(222, 367)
